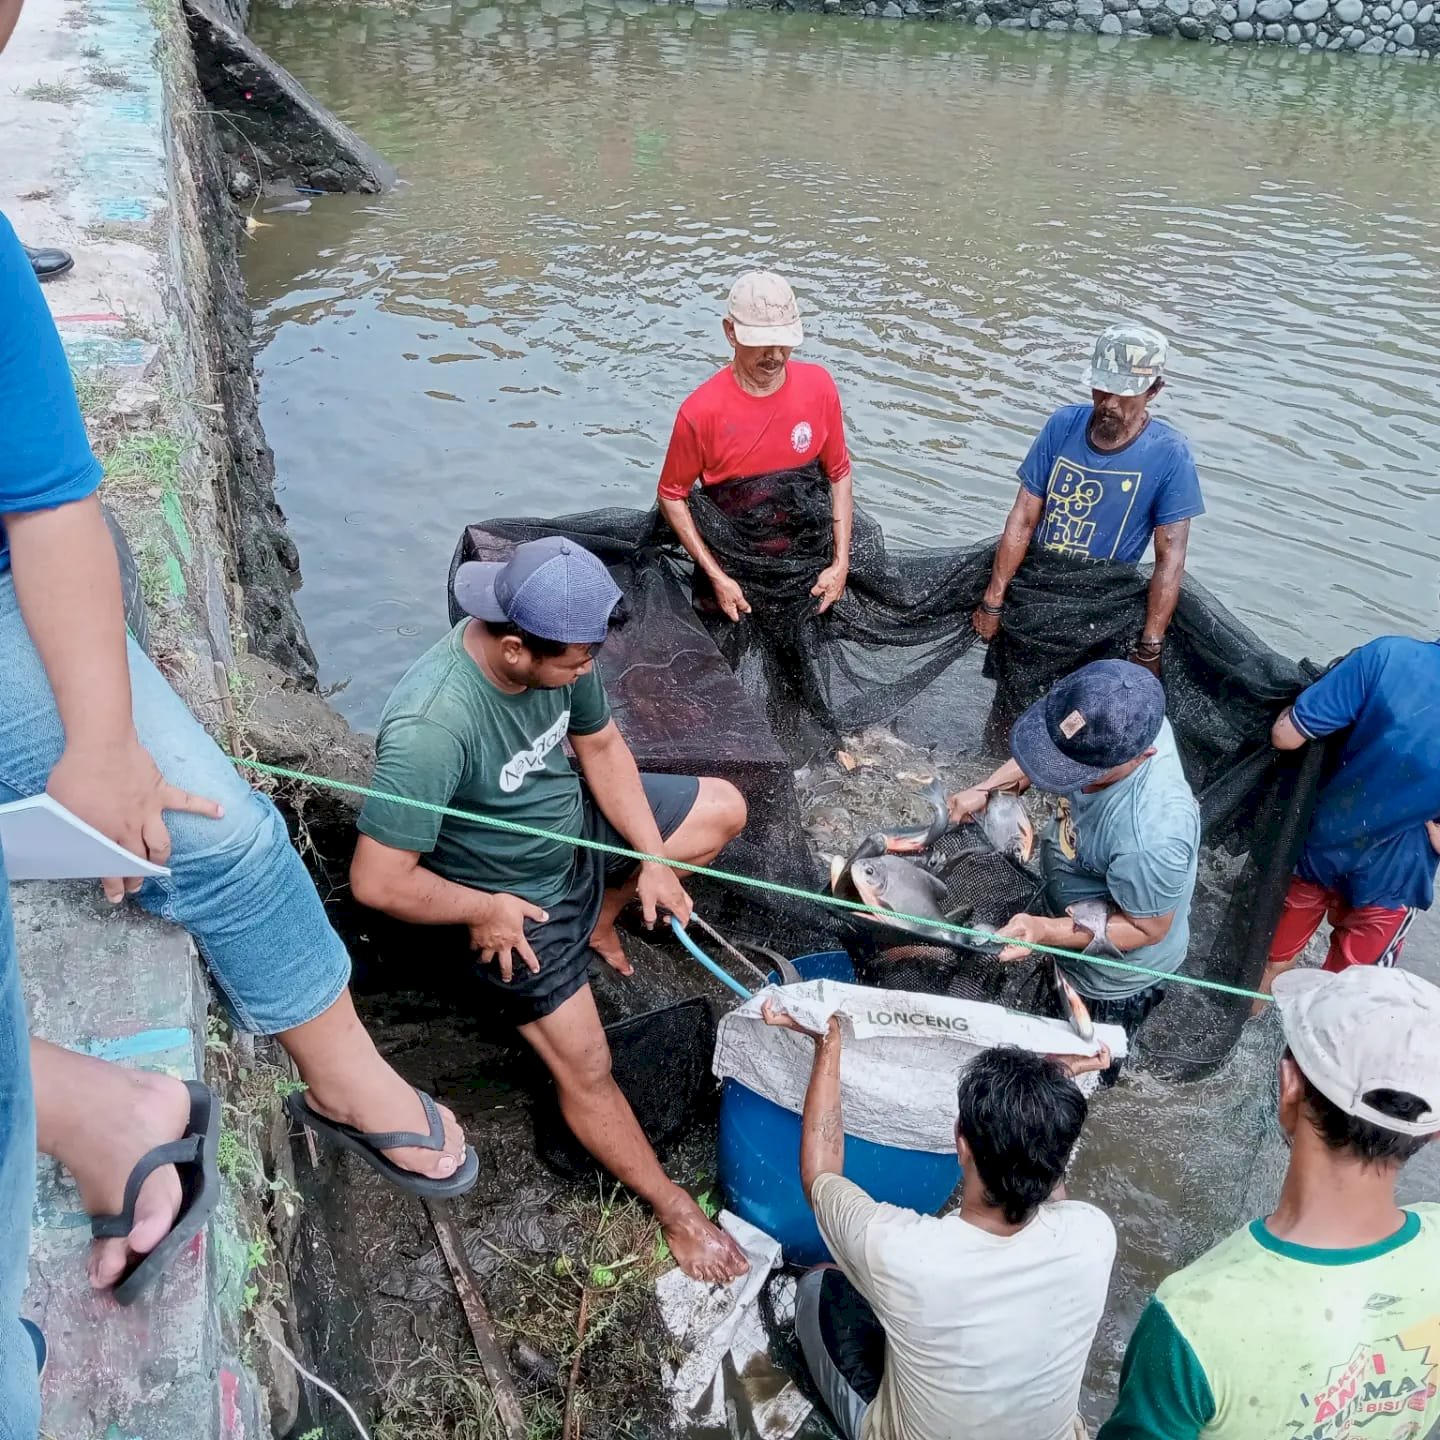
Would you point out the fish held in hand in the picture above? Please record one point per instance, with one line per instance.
(912, 839)
(1006, 824)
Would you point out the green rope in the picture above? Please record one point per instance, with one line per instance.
(773, 887)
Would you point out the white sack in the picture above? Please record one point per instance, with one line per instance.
(902, 1057)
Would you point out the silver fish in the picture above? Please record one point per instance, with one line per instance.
(1072, 1007)
(889, 883)
(1007, 826)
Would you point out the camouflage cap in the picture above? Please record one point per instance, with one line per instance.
(1128, 360)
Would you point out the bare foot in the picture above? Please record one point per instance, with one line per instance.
(605, 939)
(701, 1249)
(387, 1102)
(130, 1114)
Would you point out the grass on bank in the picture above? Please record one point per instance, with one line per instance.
(611, 1264)
(107, 77)
(252, 1086)
(56, 92)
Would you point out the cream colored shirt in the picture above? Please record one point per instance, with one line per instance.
(986, 1335)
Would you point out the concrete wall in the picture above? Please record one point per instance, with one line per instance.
(1367, 27)
(110, 153)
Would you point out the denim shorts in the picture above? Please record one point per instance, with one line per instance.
(19, 1394)
(236, 884)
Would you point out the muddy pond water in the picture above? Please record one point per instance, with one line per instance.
(511, 330)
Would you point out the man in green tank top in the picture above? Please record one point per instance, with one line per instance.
(1321, 1322)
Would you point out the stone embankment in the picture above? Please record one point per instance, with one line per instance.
(1365, 27)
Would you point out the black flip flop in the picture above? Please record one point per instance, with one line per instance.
(368, 1145)
(194, 1158)
(37, 1339)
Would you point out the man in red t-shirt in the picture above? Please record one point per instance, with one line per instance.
(761, 415)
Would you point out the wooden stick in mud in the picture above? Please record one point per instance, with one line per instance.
(580, 1323)
(477, 1316)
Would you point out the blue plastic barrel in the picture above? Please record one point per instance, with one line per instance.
(759, 1156)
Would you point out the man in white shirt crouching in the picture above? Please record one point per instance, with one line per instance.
(977, 1323)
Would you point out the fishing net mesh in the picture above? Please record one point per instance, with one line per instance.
(895, 649)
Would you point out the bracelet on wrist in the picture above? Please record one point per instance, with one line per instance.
(986, 608)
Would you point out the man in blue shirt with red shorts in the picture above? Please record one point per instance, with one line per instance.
(1369, 859)
(1102, 480)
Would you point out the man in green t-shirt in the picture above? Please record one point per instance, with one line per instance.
(1321, 1322)
(477, 724)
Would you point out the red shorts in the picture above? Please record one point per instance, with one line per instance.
(1359, 934)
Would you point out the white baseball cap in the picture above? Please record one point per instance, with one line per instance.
(1370, 1027)
(763, 311)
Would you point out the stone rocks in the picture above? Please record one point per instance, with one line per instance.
(983, 21)
(1111, 25)
(243, 185)
(1203, 9)
(1229, 14)
(1274, 9)
(1190, 28)
(1426, 14)
(1311, 9)
(1405, 35)
(1058, 27)
(1373, 46)
(1274, 31)
(1162, 22)
(892, 11)
(1380, 14)
(1243, 30)
(1348, 11)
(1427, 32)
(1177, 7)
(1222, 33)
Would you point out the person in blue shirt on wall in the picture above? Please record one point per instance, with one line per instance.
(1374, 842)
(1104, 479)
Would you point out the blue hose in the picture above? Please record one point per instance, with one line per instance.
(706, 961)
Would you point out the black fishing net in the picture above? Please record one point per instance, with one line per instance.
(661, 1062)
(983, 889)
(895, 648)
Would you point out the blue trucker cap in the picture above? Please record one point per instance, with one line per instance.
(551, 587)
(1104, 714)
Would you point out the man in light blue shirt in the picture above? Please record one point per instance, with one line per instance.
(1120, 858)
(1101, 480)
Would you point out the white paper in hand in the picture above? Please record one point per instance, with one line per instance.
(42, 840)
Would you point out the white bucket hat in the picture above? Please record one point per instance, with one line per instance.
(763, 311)
(1370, 1027)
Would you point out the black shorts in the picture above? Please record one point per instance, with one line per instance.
(562, 943)
(843, 1343)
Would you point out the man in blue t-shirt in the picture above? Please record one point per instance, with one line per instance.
(1369, 859)
(1101, 480)
(1121, 855)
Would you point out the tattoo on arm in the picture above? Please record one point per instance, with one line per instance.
(830, 1129)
